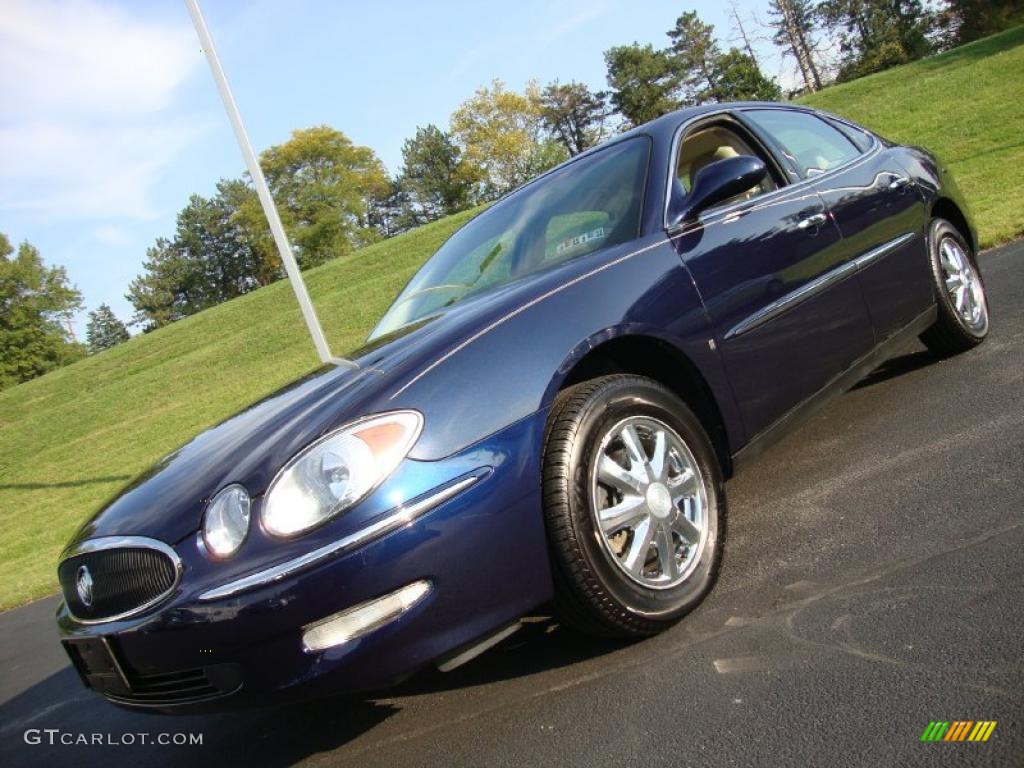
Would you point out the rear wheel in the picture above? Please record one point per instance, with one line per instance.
(634, 506)
(963, 320)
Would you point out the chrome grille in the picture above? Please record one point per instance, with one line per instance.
(109, 578)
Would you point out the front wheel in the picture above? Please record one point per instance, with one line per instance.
(634, 506)
(962, 322)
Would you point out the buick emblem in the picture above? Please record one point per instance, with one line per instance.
(84, 585)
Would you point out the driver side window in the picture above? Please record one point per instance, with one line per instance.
(707, 145)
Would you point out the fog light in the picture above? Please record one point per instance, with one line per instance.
(360, 619)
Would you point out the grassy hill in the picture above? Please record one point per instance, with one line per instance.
(968, 106)
(74, 437)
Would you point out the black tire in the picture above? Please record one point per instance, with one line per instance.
(952, 333)
(594, 594)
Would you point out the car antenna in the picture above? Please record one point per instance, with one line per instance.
(263, 192)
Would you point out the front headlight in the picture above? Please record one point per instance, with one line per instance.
(338, 471)
(226, 521)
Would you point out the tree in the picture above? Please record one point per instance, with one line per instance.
(877, 34)
(246, 256)
(212, 235)
(394, 211)
(104, 330)
(738, 78)
(321, 183)
(967, 20)
(694, 52)
(708, 74)
(216, 254)
(501, 133)
(793, 24)
(36, 303)
(573, 115)
(329, 193)
(644, 82)
(741, 30)
(434, 180)
(166, 290)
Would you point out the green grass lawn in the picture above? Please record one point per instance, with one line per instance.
(73, 438)
(966, 105)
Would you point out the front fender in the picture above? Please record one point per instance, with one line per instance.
(514, 365)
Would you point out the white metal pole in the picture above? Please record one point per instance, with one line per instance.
(269, 209)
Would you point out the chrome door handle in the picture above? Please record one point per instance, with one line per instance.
(898, 181)
(813, 221)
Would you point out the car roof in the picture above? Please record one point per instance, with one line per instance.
(664, 126)
(661, 129)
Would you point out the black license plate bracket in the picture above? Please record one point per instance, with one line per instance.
(97, 665)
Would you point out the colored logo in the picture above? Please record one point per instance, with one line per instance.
(958, 730)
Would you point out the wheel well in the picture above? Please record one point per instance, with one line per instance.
(658, 360)
(945, 208)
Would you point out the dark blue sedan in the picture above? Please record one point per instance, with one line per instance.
(546, 415)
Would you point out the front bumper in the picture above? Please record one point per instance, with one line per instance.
(482, 550)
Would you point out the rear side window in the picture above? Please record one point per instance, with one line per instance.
(810, 144)
(854, 133)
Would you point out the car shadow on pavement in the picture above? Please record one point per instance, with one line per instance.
(273, 736)
(898, 366)
(541, 644)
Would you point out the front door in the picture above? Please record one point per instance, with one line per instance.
(779, 289)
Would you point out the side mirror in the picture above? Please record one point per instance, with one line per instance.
(714, 183)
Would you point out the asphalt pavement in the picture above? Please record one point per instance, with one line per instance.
(873, 582)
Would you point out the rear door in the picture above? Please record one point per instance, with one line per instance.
(873, 201)
(775, 280)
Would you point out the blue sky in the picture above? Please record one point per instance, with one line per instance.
(111, 118)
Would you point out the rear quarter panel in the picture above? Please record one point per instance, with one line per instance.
(936, 182)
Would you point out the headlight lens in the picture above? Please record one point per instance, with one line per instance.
(226, 522)
(338, 471)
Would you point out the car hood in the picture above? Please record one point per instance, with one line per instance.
(168, 500)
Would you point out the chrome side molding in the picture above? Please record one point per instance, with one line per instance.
(816, 286)
(886, 248)
(400, 516)
(790, 300)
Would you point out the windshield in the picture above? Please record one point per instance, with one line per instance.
(590, 204)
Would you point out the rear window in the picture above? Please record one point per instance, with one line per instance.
(811, 145)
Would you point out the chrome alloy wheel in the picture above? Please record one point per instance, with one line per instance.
(964, 287)
(649, 502)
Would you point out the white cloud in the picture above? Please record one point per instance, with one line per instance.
(80, 171)
(81, 56)
(571, 16)
(86, 88)
(111, 235)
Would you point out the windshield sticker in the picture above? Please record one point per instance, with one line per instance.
(580, 240)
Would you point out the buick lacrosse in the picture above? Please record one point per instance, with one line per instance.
(545, 416)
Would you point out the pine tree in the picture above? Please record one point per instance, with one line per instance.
(694, 52)
(967, 20)
(644, 83)
(104, 330)
(573, 115)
